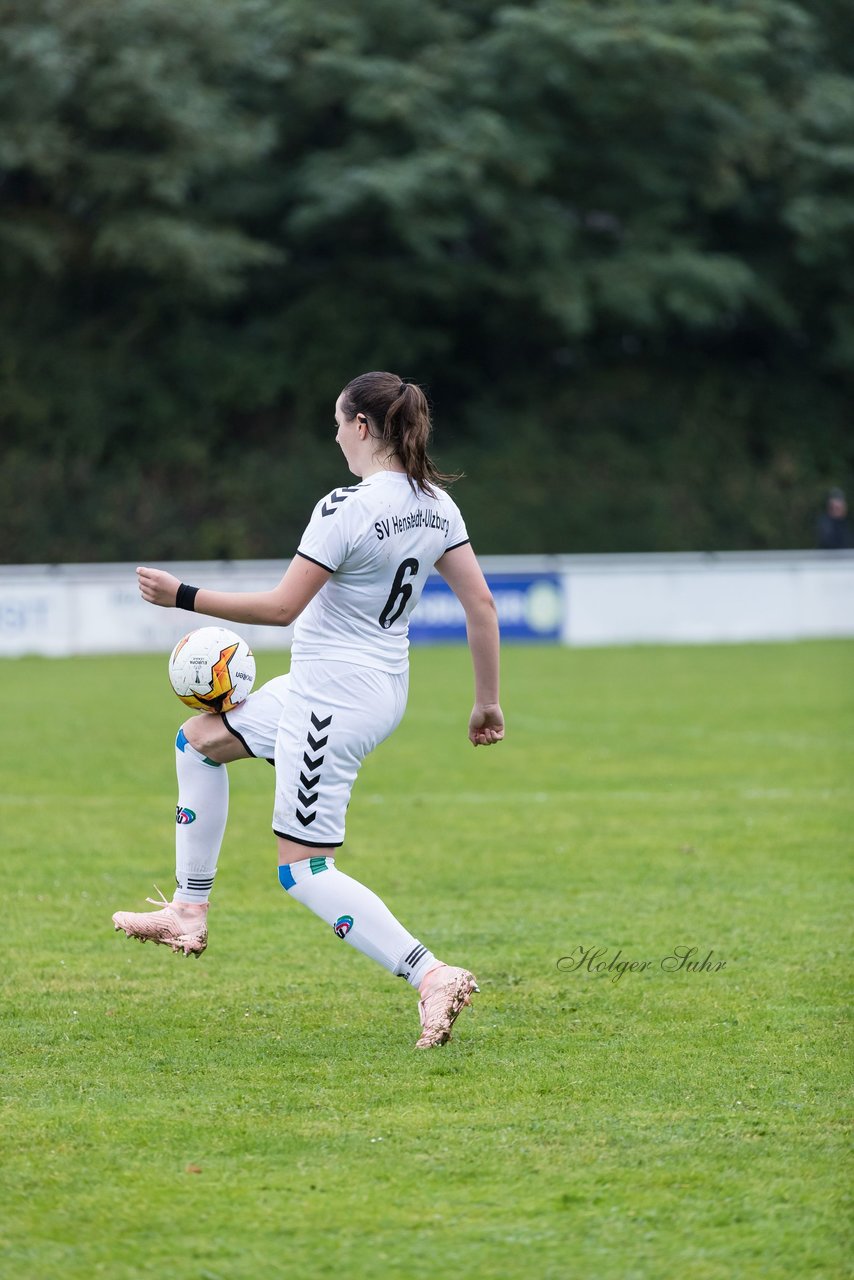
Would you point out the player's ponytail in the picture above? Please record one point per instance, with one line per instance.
(399, 415)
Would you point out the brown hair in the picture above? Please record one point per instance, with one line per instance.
(399, 412)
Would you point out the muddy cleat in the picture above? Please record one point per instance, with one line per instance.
(448, 989)
(185, 931)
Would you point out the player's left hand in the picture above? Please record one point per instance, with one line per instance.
(486, 725)
(158, 587)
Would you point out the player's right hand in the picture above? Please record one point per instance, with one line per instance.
(158, 587)
(486, 725)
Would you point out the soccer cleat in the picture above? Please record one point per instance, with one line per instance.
(182, 931)
(446, 994)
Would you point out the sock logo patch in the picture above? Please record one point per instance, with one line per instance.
(343, 925)
(184, 816)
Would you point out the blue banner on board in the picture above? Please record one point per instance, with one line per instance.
(530, 607)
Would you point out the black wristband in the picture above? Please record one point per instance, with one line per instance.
(186, 598)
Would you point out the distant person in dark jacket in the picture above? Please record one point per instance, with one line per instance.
(834, 528)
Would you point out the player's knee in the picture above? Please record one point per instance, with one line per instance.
(209, 736)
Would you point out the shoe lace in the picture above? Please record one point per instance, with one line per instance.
(164, 901)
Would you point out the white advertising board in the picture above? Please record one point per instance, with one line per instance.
(54, 610)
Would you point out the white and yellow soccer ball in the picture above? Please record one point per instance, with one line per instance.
(212, 669)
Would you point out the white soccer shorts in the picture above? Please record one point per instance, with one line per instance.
(318, 723)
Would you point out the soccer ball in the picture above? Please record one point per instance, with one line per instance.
(212, 669)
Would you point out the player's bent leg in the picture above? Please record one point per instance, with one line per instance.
(355, 914)
(321, 742)
(363, 920)
(203, 746)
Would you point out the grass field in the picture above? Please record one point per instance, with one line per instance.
(261, 1112)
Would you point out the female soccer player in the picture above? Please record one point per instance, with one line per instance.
(358, 573)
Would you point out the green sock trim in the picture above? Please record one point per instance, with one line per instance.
(317, 865)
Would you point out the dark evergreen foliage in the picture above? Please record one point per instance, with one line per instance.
(616, 241)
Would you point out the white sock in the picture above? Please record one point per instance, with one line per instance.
(201, 816)
(357, 915)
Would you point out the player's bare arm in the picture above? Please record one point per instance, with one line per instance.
(463, 574)
(278, 608)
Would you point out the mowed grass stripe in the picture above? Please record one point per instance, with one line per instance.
(262, 1112)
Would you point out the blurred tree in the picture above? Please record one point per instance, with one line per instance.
(615, 240)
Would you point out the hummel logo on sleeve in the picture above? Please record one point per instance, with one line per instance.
(337, 496)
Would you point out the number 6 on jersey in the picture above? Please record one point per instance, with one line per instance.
(400, 592)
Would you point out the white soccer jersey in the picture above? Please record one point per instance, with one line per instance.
(381, 541)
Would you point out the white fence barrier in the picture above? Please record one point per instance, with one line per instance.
(726, 597)
(56, 610)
